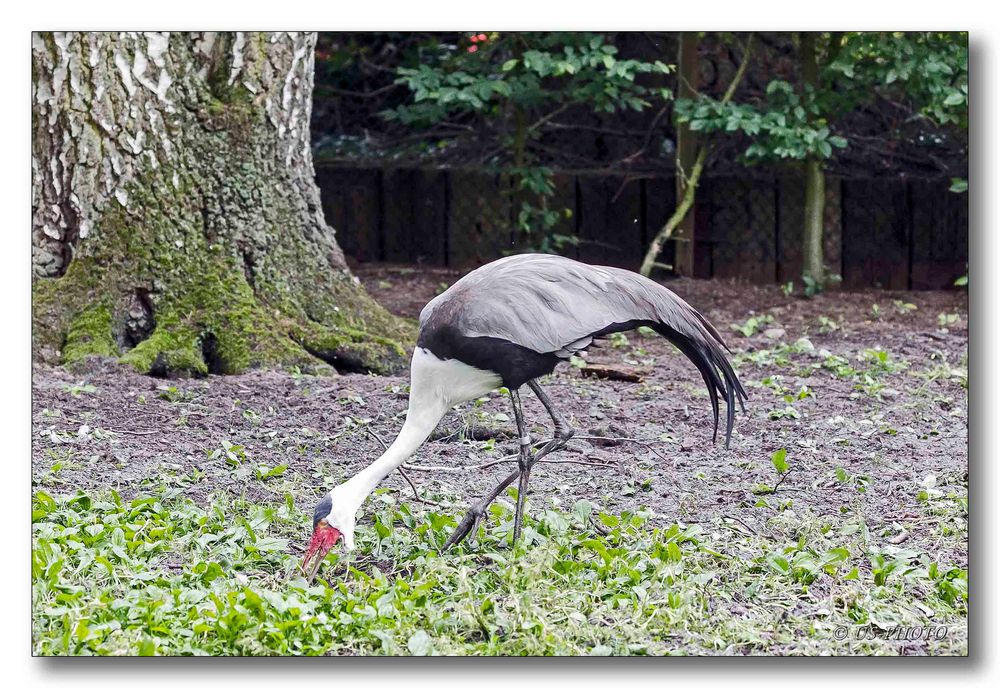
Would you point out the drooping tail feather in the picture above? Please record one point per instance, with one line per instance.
(707, 351)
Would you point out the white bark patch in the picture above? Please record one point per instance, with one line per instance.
(135, 143)
(54, 171)
(156, 46)
(204, 45)
(163, 81)
(139, 64)
(125, 72)
(237, 65)
(59, 74)
(74, 77)
(286, 94)
(161, 88)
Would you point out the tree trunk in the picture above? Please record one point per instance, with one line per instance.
(687, 153)
(812, 236)
(813, 269)
(176, 223)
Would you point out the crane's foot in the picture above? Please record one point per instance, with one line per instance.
(470, 522)
(467, 526)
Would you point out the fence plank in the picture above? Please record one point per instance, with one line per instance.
(611, 230)
(929, 212)
(760, 248)
(791, 192)
(625, 229)
(427, 240)
(479, 227)
(940, 247)
(875, 234)
(397, 225)
(742, 229)
(414, 218)
(593, 220)
(833, 240)
(350, 205)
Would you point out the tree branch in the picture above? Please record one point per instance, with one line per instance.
(691, 184)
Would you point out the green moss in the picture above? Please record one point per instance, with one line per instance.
(90, 335)
(352, 350)
(173, 349)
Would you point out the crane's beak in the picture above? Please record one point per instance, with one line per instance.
(324, 538)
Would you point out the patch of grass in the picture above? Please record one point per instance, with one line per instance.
(827, 324)
(948, 319)
(79, 388)
(753, 324)
(943, 370)
(161, 574)
(874, 366)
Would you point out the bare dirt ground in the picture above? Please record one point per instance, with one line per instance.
(864, 432)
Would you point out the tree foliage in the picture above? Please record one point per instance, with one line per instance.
(511, 84)
(490, 73)
(926, 73)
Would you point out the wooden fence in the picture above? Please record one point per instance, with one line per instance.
(890, 233)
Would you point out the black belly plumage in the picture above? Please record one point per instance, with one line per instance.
(514, 363)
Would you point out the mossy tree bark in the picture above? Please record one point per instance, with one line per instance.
(176, 221)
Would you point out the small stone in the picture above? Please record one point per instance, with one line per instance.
(774, 332)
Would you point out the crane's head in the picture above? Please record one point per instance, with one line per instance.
(333, 520)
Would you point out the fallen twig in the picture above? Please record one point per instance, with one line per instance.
(609, 373)
(646, 443)
(506, 459)
(750, 528)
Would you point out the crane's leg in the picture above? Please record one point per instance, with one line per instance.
(563, 432)
(523, 461)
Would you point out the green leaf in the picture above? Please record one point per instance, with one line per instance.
(959, 185)
(955, 98)
(778, 460)
(509, 65)
(420, 644)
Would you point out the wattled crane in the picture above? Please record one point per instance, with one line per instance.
(506, 324)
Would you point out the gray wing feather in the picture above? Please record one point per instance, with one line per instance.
(551, 304)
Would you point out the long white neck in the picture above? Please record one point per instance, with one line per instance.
(420, 422)
(435, 386)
